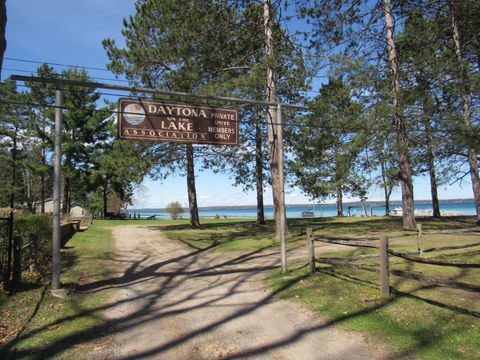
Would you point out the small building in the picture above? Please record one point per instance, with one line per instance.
(75, 211)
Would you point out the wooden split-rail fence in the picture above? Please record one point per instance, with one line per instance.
(385, 252)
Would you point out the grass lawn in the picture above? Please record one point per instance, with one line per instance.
(35, 325)
(418, 321)
(231, 235)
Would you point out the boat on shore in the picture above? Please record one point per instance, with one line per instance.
(307, 214)
(398, 211)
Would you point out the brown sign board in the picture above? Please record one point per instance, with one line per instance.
(160, 121)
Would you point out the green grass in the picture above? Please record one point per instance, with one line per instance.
(37, 325)
(428, 322)
(233, 235)
(225, 236)
(418, 321)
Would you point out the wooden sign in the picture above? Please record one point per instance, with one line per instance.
(184, 123)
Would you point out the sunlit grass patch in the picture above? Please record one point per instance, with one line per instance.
(406, 323)
(38, 325)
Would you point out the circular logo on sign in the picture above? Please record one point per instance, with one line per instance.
(134, 114)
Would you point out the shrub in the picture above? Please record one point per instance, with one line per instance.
(174, 209)
(24, 226)
(41, 226)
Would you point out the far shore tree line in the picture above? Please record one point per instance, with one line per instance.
(398, 98)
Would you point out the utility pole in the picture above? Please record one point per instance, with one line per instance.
(11, 241)
(282, 226)
(275, 138)
(57, 184)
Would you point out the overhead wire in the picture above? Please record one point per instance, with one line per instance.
(57, 64)
(116, 111)
(125, 95)
(59, 74)
(100, 78)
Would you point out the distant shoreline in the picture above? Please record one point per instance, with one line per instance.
(345, 204)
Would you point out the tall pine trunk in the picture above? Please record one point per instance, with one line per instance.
(387, 202)
(275, 138)
(402, 140)
(3, 25)
(27, 189)
(42, 179)
(272, 118)
(433, 183)
(467, 121)
(259, 171)
(192, 192)
(339, 201)
(386, 188)
(66, 196)
(105, 198)
(431, 170)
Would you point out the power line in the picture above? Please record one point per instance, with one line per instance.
(115, 112)
(96, 92)
(58, 74)
(86, 67)
(57, 64)
(62, 76)
(111, 94)
(204, 97)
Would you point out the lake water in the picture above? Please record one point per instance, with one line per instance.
(295, 211)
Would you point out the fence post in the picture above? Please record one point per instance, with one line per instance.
(420, 239)
(384, 268)
(311, 250)
(17, 260)
(33, 244)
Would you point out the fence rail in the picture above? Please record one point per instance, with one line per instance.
(385, 252)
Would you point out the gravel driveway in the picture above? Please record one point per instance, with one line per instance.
(177, 302)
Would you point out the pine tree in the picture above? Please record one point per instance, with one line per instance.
(328, 145)
(355, 28)
(248, 164)
(165, 53)
(465, 91)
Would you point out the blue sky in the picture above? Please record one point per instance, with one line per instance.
(71, 31)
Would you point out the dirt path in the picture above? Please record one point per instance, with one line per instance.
(175, 302)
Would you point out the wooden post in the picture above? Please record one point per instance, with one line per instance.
(33, 244)
(384, 268)
(420, 239)
(311, 250)
(282, 227)
(17, 260)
